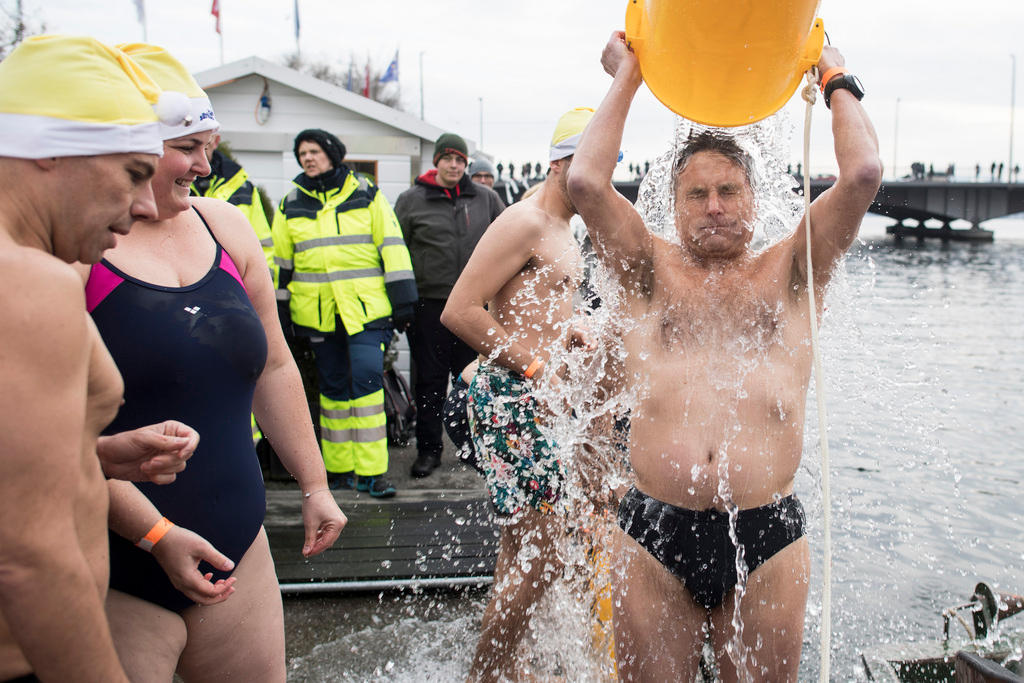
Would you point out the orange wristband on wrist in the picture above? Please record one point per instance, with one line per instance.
(535, 365)
(154, 535)
(831, 73)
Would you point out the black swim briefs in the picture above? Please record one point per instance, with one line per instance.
(695, 545)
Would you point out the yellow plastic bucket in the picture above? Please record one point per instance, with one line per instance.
(724, 62)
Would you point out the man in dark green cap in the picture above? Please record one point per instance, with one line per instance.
(443, 216)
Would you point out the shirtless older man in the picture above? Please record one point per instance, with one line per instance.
(511, 304)
(720, 344)
(78, 145)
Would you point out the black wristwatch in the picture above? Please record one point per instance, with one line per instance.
(845, 81)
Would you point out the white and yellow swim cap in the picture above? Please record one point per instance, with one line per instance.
(75, 96)
(568, 131)
(170, 74)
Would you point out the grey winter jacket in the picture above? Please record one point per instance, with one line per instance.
(441, 227)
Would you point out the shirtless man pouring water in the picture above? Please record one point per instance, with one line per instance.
(720, 343)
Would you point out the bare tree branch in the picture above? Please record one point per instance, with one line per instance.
(351, 77)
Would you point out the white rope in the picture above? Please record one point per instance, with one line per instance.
(810, 94)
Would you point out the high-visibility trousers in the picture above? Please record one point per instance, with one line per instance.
(353, 426)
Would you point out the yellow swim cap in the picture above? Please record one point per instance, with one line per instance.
(568, 131)
(74, 96)
(171, 75)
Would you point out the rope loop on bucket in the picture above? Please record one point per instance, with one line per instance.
(810, 95)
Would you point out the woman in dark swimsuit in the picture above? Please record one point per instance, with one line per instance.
(187, 307)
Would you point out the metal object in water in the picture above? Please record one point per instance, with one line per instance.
(982, 654)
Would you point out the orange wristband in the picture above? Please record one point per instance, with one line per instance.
(154, 535)
(534, 366)
(828, 75)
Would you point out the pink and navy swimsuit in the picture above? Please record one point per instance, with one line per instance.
(191, 354)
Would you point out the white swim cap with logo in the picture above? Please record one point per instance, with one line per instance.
(75, 96)
(568, 131)
(170, 74)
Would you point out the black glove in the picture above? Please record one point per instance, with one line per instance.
(402, 317)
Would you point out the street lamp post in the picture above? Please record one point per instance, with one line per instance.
(481, 101)
(1013, 97)
(895, 138)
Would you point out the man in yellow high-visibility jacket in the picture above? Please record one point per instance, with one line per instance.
(349, 283)
(229, 181)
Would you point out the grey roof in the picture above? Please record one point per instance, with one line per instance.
(211, 78)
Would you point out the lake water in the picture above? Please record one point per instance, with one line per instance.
(924, 364)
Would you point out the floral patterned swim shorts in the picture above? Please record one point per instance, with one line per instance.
(518, 461)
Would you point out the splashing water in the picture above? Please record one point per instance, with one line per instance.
(921, 345)
(766, 142)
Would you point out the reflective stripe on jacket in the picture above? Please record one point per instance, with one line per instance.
(341, 252)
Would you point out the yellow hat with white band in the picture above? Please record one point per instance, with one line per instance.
(568, 131)
(170, 74)
(75, 96)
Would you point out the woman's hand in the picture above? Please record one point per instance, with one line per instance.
(323, 521)
(179, 553)
(154, 453)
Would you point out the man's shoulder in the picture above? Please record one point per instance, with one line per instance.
(414, 195)
(26, 266)
(781, 254)
(487, 192)
(528, 226)
(524, 216)
(42, 291)
(413, 191)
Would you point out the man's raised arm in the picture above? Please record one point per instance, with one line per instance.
(620, 238)
(837, 213)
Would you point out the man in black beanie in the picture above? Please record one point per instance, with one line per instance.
(443, 216)
(347, 278)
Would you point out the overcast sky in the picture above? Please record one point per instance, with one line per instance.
(524, 63)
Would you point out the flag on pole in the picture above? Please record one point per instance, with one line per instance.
(366, 86)
(215, 11)
(391, 75)
(296, 21)
(140, 10)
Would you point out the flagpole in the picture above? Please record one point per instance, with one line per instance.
(421, 87)
(215, 11)
(140, 11)
(298, 47)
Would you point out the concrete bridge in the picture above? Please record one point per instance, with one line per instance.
(912, 203)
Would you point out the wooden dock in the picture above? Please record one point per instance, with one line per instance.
(429, 537)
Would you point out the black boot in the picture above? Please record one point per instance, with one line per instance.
(424, 465)
(341, 480)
